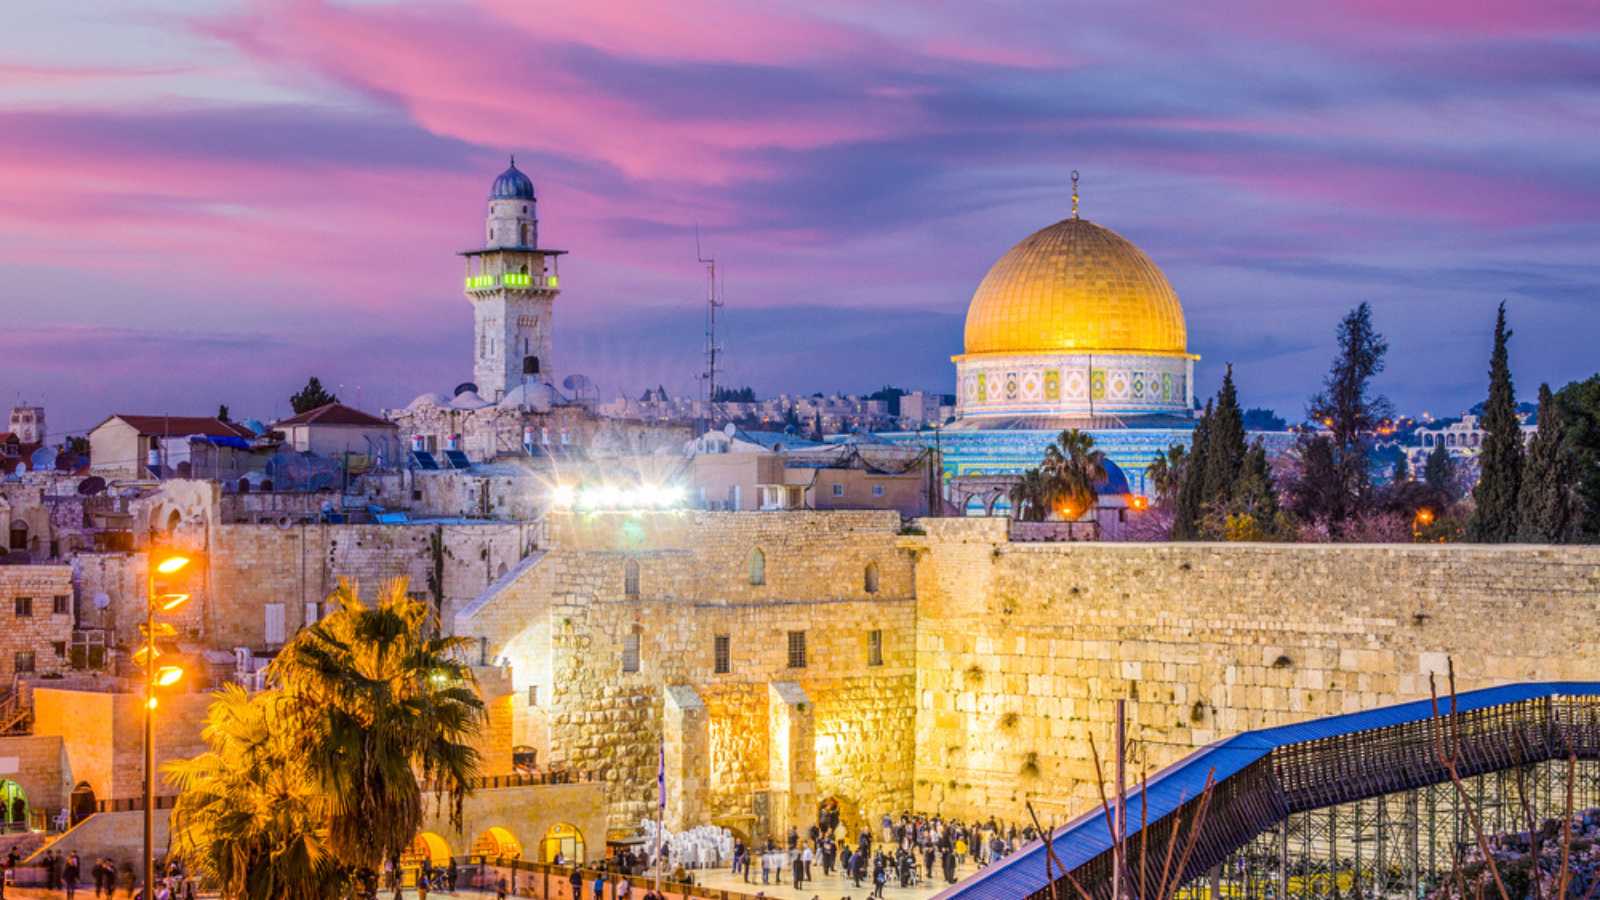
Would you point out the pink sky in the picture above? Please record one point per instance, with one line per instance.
(204, 203)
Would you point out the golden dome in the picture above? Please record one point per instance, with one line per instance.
(1075, 286)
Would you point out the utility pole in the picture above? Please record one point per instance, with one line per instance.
(712, 305)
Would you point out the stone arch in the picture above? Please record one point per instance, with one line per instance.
(530, 365)
(630, 578)
(13, 806)
(758, 566)
(563, 838)
(497, 843)
(500, 571)
(82, 802)
(19, 534)
(426, 845)
(173, 521)
(869, 579)
(840, 810)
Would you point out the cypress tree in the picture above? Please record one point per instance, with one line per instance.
(1225, 447)
(1350, 412)
(1439, 474)
(1402, 470)
(1548, 505)
(1578, 404)
(1191, 500)
(1500, 466)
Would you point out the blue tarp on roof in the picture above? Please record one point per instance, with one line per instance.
(1086, 837)
(217, 440)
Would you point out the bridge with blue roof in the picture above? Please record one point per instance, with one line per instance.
(1263, 778)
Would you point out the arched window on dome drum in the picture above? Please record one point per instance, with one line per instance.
(530, 365)
(524, 241)
(870, 581)
(758, 566)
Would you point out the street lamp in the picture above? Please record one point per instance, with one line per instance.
(158, 599)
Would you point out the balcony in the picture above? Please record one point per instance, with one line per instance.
(513, 280)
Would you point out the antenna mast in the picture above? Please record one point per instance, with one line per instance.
(712, 305)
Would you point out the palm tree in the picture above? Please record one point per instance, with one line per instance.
(1073, 467)
(1030, 497)
(249, 818)
(387, 713)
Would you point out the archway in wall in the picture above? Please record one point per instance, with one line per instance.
(530, 365)
(497, 843)
(429, 846)
(81, 803)
(19, 534)
(173, 521)
(562, 838)
(839, 810)
(15, 803)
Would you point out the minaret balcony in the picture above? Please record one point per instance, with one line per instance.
(514, 281)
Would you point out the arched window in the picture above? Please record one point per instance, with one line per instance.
(172, 521)
(870, 581)
(530, 365)
(524, 241)
(630, 578)
(758, 566)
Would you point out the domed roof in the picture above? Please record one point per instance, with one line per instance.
(426, 400)
(468, 400)
(1115, 482)
(512, 185)
(538, 396)
(1078, 287)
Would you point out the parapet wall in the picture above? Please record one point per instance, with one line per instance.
(1023, 648)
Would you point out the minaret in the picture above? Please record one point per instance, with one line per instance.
(512, 283)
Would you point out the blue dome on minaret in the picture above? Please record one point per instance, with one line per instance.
(512, 185)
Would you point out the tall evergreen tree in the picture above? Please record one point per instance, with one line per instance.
(311, 396)
(1191, 493)
(1439, 474)
(1225, 447)
(1350, 412)
(1402, 470)
(1494, 521)
(1579, 406)
(1547, 507)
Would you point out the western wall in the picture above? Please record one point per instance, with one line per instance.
(998, 658)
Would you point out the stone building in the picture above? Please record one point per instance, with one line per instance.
(36, 607)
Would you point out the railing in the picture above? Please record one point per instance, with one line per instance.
(528, 779)
(512, 280)
(547, 881)
(16, 717)
(132, 804)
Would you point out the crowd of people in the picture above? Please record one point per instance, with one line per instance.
(1519, 868)
(65, 872)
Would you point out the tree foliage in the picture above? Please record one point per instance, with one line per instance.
(1064, 482)
(1495, 517)
(1337, 485)
(1578, 404)
(311, 396)
(1548, 504)
(309, 786)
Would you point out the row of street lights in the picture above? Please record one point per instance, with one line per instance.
(162, 597)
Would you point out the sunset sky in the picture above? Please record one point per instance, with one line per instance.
(205, 202)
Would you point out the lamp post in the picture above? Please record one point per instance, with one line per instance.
(155, 676)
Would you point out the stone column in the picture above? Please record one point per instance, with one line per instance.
(792, 757)
(686, 729)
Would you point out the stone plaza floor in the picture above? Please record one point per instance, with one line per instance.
(827, 887)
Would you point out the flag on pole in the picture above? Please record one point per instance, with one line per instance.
(661, 777)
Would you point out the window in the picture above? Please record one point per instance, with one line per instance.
(877, 490)
(721, 663)
(630, 578)
(23, 606)
(59, 605)
(22, 663)
(797, 649)
(533, 695)
(313, 613)
(875, 647)
(838, 489)
(61, 649)
(630, 651)
(869, 581)
(758, 567)
(273, 625)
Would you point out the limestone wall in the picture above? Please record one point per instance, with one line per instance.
(1023, 648)
(564, 624)
(35, 620)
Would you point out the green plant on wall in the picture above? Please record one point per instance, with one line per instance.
(436, 570)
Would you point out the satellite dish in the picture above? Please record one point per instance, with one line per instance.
(730, 429)
(581, 387)
(92, 485)
(102, 600)
(464, 387)
(43, 459)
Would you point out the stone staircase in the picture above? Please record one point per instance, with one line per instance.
(16, 716)
(466, 612)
